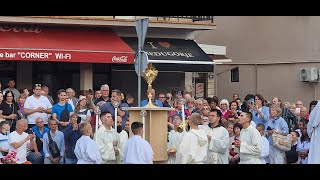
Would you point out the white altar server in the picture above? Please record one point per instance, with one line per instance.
(107, 139)
(194, 146)
(175, 138)
(250, 142)
(264, 157)
(86, 149)
(218, 138)
(137, 150)
(313, 130)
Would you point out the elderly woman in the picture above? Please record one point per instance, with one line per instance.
(190, 106)
(276, 124)
(260, 111)
(224, 108)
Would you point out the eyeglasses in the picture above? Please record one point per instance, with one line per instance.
(161, 97)
(37, 85)
(39, 122)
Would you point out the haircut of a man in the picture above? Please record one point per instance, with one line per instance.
(136, 127)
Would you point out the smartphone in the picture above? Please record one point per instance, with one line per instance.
(30, 131)
(90, 91)
(297, 111)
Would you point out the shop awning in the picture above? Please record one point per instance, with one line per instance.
(174, 54)
(62, 44)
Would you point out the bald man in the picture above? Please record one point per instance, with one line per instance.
(21, 141)
(154, 101)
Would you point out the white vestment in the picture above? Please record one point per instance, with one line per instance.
(313, 128)
(218, 150)
(251, 146)
(175, 139)
(137, 151)
(87, 151)
(123, 140)
(265, 150)
(193, 148)
(104, 139)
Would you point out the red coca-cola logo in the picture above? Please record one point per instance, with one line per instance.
(119, 58)
(20, 28)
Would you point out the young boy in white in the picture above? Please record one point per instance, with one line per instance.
(264, 157)
(250, 142)
(194, 146)
(86, 149)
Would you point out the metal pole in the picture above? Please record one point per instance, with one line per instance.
(139, 76)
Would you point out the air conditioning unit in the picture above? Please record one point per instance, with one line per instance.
(309, 74)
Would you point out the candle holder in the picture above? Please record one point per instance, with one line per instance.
(115, 104)
(182, 101)
(144, 113)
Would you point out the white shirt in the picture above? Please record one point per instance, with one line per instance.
(87, 151)
(33, 103)
(265, 150)
(137, 151)
(71, 103)
(22, 150)
(4, 143)
(175, 139)
(251, 146)
(104, 139)
(84, 116)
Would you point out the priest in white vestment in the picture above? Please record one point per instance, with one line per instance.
(86, 149)
(250, 142)
(313, 130)
(108, 139)
(137, 150)
(194, 146)
(175, 138)
(264, 157)
(218, 138)
(123, 135)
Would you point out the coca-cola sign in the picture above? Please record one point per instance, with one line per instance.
(20, 28)
(119, 59)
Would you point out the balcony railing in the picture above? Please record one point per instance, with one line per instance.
(193, 18)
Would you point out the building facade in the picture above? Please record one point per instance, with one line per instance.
(85, 52)
(267, 55)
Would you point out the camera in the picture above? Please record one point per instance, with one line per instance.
(30, 131)
(78, 120)
(269, 128)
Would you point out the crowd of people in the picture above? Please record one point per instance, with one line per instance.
(41, 131)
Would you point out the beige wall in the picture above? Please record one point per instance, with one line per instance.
(281, 80)
(269, 41)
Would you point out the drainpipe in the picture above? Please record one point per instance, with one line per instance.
(315, 91)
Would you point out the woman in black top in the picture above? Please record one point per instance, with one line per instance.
(9, 109)
(292, 155)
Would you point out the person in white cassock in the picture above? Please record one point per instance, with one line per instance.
(264, 157)
(123, 135)
(250, 142)
(137, 150)
(194, 146)
(175, 138)
(218, 138)
(107, 139)
(313, 130)
(86, 149)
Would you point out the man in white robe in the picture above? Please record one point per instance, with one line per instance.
(107, 139)
(250, 142)
(86, 149)
(137, 150)
(194, 146)
(218, 138)
(313, 129)
(123, 135)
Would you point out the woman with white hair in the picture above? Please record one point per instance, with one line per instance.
(276, 124)
(224, 108)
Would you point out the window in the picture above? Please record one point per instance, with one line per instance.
(235, 74)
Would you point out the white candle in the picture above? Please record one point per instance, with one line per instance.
(116, 118)
(144, 127)
(183, 118)
(97, 122)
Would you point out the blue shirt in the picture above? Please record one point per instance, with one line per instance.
(277, 124)
(58, 138)
(109, 107)
(156, 102)
(57, 109)
(36, 131)
(256, 117)
(71, 137)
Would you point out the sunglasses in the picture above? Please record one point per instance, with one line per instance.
(37, 85)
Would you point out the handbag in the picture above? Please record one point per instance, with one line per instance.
(53, 147)
(282, 142)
